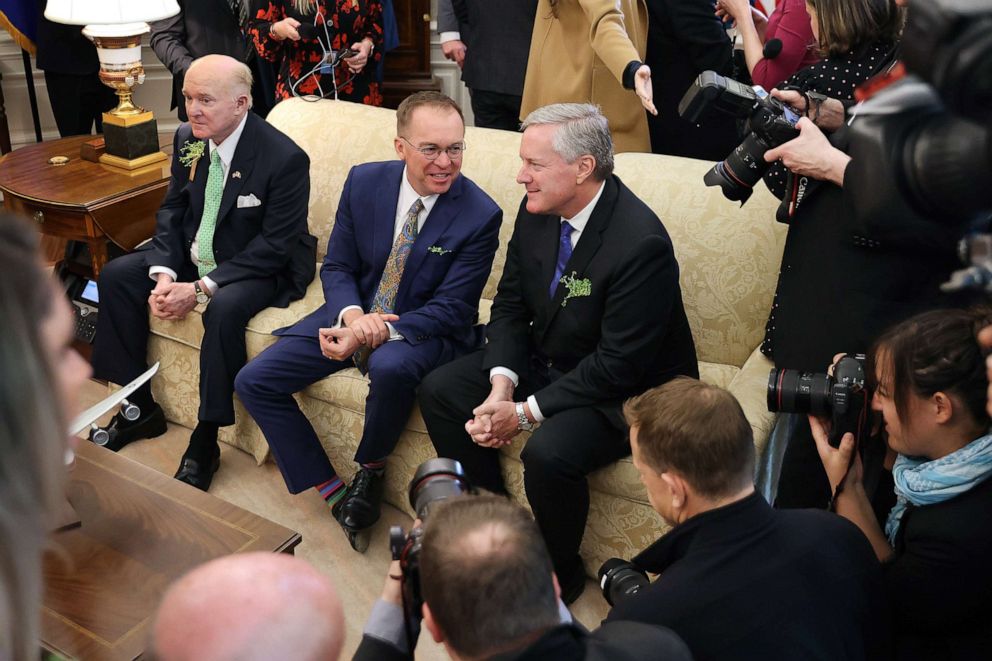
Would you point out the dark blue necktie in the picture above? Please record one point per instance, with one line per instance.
(564, 253)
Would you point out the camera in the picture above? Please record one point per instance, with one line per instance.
(922, 138)
(769, 123)
(618, 579)
(435, 480)
(844, 396)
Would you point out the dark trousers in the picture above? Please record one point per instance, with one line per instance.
(494, 110)
(266, 386)
(803, 482)
(557, 458)
(78, 102)
(121, 347)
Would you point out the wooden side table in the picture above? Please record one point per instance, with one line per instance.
(82, 200)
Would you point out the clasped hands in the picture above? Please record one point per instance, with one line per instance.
(495, 422)
(171, 300)
(357, 329)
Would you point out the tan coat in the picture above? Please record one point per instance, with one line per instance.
(579, 57)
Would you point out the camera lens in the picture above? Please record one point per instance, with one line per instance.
(792, 391)
(741, 170)
(619, 579)
(434, 481)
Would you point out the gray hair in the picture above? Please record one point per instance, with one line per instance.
(582, 130)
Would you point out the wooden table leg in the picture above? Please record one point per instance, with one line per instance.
(98, 254)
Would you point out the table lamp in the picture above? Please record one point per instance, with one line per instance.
(116, 27)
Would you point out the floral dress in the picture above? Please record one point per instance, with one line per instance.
(298, 63)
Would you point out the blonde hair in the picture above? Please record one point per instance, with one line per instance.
(32, 437)
(305, 6)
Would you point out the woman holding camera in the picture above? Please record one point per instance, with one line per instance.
(324, 48)
(41, 376)
(930, 389)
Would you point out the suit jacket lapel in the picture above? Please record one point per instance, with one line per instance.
(240, 170)
(197, 187)
(440, 217)
(589, 242)
(384, 220)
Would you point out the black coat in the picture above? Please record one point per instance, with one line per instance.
(267, 240)
(620, 641)
(745, 581)
(940, 581)
(628, 334)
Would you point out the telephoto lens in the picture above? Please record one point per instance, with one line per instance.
(618, 579)
(434, 481)
(792, 391)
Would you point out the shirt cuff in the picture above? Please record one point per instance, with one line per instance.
(450, 36)
(504, 371)
(385, 623)
(210, 285)
(337, 324)
(393, 333)
(155, 270)
(629, 72)
(535, 410)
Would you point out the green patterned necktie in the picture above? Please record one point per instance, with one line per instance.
(208, 222)
(384, 300)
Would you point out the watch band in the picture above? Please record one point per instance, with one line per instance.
(522, 421)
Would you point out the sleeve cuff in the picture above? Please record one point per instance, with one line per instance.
(504, 371)
(535, 410)
(385, 623)
(210, 285)
(629, 73)
(337, 324)
(393, 333)
(155, 270)
(450, 36)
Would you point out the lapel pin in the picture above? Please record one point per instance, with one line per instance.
(236, 174)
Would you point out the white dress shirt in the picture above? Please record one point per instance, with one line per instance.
(407, 197)
(226, 151)
(578, 223)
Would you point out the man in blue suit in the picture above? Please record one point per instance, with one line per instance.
(412, 246)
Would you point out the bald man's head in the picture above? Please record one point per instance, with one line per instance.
(250, 606)
(217, 93)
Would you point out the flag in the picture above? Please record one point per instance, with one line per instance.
(20, 19)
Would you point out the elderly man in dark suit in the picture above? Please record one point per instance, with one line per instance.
(489, 41)
(412, 246)
(204, 27)
(588, 313)
(231, 235)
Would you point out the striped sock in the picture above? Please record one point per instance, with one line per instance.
(331, 491)
(377, 466)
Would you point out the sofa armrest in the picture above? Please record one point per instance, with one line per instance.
(750, 387)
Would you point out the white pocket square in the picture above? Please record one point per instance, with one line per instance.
(248, 201)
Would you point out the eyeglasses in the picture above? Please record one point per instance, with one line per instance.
(431, 152)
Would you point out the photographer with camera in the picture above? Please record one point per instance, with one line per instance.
(739, 579)
(489, 592)
(930, 389)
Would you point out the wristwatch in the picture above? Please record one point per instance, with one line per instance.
(522, 421)
(201, 296)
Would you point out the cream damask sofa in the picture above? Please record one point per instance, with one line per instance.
(729, 259)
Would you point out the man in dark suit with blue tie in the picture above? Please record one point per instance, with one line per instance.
(412, 245)
(231, 234)
(588, 313)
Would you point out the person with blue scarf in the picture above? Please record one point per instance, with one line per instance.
(936, 543)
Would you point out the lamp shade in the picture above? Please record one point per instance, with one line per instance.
(87, 12)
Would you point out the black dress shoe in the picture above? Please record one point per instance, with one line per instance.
(196, 473)
(572, 585)
(122, 431)
(359, 508)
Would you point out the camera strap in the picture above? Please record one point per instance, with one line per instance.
(797, 189)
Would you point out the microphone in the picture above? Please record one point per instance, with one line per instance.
(772, 48)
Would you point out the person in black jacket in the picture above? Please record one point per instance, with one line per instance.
(740, 580)
(588, 313)
(489, 593)
(936, 542)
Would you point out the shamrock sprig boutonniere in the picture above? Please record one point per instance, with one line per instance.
(577, 287)
(438, 250)
(190, 153)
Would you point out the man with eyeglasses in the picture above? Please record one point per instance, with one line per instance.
(412, 246)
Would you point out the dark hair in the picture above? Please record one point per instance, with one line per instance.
(936, 351)
(698, 430)
(486, 574)
(846, 25)
(428, 99)
(32, 436)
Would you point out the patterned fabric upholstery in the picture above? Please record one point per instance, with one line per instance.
(729, 258)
